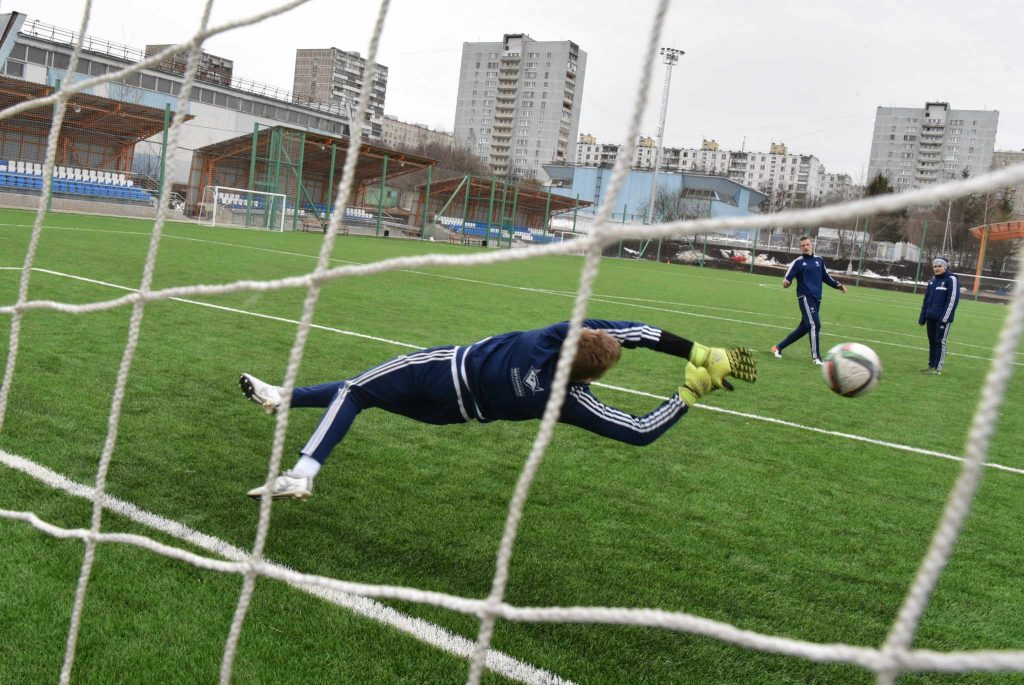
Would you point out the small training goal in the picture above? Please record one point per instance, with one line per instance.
(224, 206)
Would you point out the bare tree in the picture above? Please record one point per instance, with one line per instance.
(453, 160)
(676, 205)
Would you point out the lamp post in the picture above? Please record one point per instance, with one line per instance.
(671, 56)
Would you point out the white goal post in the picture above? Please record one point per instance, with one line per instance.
(226, 206)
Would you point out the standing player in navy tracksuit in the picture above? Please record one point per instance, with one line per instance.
(937, 310)
(810, 272)
(506, 377)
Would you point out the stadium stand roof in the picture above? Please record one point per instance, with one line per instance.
(86, 114)
(316, 155)
(281, 154)
(1004, 230)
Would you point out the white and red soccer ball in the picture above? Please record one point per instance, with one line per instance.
(851, 369)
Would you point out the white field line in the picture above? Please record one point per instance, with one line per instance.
(667, 310)
(758, 417)
(822, 431)
(424, 631)
(916, 336)
(607, 299)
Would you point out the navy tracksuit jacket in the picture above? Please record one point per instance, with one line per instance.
(809, 272)
(505, 377)
(937, 310)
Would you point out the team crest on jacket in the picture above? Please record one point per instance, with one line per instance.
(532, 380)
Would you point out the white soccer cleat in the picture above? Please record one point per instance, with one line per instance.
(776, 352)
(266, 395)
(817, 362)
(286, 486)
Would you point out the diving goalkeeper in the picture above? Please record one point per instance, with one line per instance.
(504, 377)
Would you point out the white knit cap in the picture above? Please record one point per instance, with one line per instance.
(940, 260)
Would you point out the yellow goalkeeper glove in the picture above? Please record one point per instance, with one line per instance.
(720, 362)
(696, 384)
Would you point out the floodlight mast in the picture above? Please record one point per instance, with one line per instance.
(671, 56)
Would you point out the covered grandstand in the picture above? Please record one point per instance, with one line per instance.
(482, 209)
(303, 166)
(95, 160)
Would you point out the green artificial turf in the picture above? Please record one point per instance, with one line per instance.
(754, 519)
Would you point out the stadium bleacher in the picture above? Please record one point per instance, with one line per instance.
(479, 229)
(89, 183)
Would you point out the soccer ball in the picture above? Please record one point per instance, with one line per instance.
(852, 369)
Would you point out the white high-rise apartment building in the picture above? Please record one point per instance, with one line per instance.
(333, 75)
(519, 102)
(913, 147)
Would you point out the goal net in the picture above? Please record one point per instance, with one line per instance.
(225, 206)
(222, 205)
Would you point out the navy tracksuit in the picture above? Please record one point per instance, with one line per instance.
(506, 377)
(809, 272)
(937, 310)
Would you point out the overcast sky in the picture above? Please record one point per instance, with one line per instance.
(807, 74)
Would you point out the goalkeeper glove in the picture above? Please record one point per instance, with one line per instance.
(696, 384)
(720, 362)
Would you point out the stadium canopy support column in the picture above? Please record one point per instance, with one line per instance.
(515, 208)
(547, 212)
(575, 211)
(330, 184)
(465, 202)
(981, 261)
(753, 251)
(501, 223)
(426, 204)
(863, 245)
(657, 257)
(455, 192)
(704, 252)
(252, 170)
(380, 197)
(490, 206)
(298, 182)
(276, 145)
(163, 150)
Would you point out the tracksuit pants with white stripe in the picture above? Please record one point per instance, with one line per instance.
(810, 325)
(937, 334)
(419, 386)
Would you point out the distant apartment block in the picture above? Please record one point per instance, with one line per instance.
(837, 187)
(1002, 158)
(914, 147)
(336, 76)
(519, 102)
(401, 135)
(788, 179)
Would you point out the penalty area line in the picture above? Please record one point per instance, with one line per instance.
(822, 431)
(756, 417)
(424, 631)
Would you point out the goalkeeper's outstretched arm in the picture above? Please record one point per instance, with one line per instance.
(721, 363)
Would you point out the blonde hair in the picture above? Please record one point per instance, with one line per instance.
(596, 353)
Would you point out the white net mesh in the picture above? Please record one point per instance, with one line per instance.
(888, 661)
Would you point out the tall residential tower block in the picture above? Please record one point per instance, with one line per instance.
(335, 76)
(914, 147)
(519, 103)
